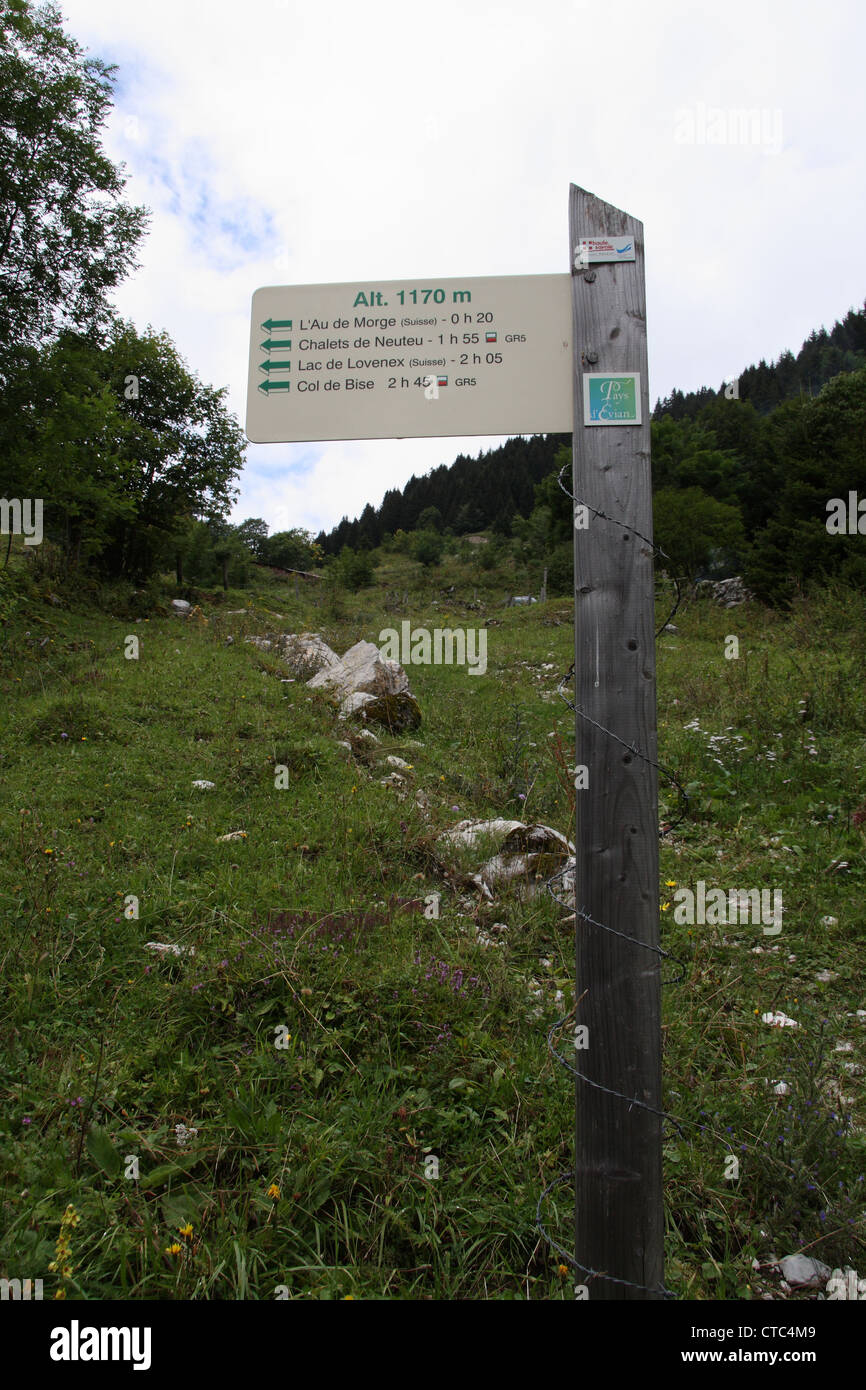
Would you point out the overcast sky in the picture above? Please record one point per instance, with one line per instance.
(293, 143)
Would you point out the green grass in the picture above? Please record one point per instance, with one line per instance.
(299, 935)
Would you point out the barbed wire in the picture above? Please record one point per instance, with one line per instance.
(656, 549)
(633, 749)
(581, 915)
(584, 1269)
(624, 936)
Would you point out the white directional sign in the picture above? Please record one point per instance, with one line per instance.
(404, 359)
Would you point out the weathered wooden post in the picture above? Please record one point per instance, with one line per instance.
(618, 1172)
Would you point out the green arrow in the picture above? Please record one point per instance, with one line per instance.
(274, 366)
(270, 343)
(270, 324)
(275, 386)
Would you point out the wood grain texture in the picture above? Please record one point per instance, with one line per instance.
(619, 1213)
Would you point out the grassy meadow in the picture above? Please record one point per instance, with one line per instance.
(281, 1086)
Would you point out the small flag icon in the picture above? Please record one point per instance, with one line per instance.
(442, 381)
(490, 337)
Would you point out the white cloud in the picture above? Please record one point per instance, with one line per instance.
(291, 143)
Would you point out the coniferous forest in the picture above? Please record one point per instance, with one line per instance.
(742, 477)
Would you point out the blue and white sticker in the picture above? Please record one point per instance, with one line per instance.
(603, 248)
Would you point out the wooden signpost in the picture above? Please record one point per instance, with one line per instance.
(618, 1171)
(519, 354)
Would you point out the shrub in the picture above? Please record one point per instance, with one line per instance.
(354, 569)
(428, 548)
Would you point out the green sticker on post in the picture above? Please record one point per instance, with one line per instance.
(611, 400)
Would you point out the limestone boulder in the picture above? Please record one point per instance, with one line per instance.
(370, 687)
(396, 712)
(728, 593)
(362, 669)
(306, 654)
(524, 855)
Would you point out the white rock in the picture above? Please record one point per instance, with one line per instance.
(355, 703)
(306, 654)
(233, 835)
(779, 1020)
(525, 853)
(203, 786)
(393, 761)
(164, 948)
(467, 832)
(180, 605)
(362, 669)
(801, 1271)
